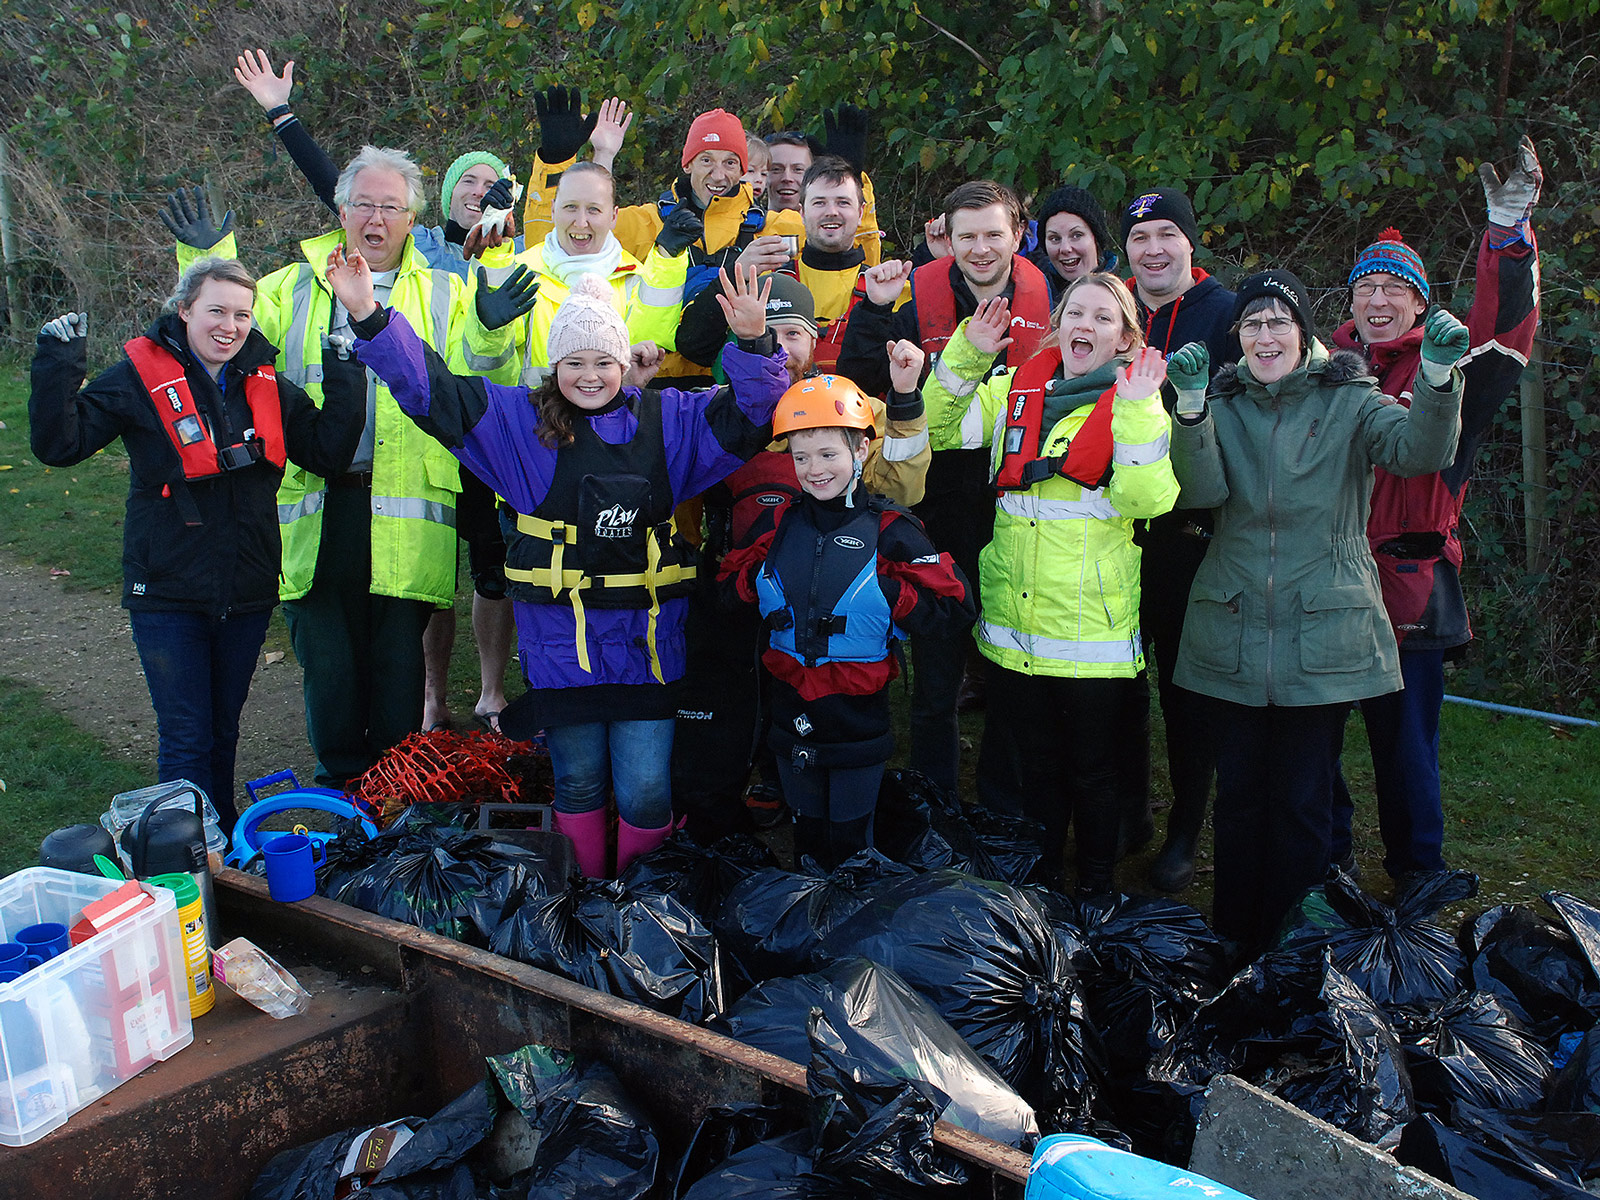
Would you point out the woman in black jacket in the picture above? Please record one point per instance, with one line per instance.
(207, 425)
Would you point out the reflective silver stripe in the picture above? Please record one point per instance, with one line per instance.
(309, 503)
(657, 297)
(1124, 650)
(294, 342)
(412, 508)
(972, 425)
(899, 449)
(950, 381)
(1092, 506)
(483, 364)
(439, 310)
(1139, 454)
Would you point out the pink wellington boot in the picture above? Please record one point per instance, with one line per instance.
(633, 842)
(591, 840)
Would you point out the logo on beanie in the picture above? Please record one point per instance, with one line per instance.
(615, 522)
(1142, 206)
(1273, 285)
(711, 137)
(778, 305)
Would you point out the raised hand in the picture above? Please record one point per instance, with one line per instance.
(351, 281)
(610, 128)
(1190, 367)
(1444, 339)
(253, 70)
(187, 217)
(499, 306)
(743, 303)
(905, 365)
(989, 328)
(938, 238)
(1143, 377)
(886, 281)
(1511, 202)
(563, 128)
(682, 228)
(844, 129)
(66, 327)
(644, 360)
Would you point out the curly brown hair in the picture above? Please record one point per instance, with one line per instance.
(555, 413)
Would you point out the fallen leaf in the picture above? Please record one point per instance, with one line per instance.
(57, 572)
(5, 466)
(1561, 733)
(274, 656)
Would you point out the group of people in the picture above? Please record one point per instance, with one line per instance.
(715, 461)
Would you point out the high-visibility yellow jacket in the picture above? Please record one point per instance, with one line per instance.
(415, 480)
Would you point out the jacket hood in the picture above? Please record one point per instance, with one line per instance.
(170, 333)
(1339, 367)
(317, 249)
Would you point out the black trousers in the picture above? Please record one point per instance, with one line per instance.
(1067, 733)
(1274, 815)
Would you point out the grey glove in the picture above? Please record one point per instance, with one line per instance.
(1511, 202)
(187, 217)
(66, 327)
(1189, 370)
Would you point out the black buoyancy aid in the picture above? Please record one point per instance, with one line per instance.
(819, 591)
(1088, 457)
(604, 534)
(186, 426)
(936, 307)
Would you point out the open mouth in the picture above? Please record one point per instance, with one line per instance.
(1080, 347)
(1069, 262)
(580, 241)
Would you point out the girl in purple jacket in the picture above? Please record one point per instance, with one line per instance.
(589, 469)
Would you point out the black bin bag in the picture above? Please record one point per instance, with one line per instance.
(773, 920)
(916, 826)
(1396, 955)
(643, 947)
(1472, 1050)
(698, 876)
(1490, 1170)
(988, 962)
(889, 1034)
(1536, 968)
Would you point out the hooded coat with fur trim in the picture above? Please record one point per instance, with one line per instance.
(1286, 608)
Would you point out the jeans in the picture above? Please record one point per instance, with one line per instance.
(634, 757)
(198, 670)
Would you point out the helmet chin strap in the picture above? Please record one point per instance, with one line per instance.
(855, 478)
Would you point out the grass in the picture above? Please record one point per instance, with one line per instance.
(1521, 797)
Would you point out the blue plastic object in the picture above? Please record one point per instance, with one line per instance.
(1069, 1166)
(246, 846)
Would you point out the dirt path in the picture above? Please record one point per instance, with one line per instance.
(77, 648)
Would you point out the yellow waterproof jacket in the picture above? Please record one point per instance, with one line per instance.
(415, 480)
(1060, 581)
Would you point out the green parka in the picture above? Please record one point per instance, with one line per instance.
(1286, 608)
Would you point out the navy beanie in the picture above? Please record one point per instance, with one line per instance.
(1163, 204)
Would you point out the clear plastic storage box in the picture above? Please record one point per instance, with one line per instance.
(75, 1027)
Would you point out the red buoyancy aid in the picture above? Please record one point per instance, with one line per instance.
(936, 307)
(1088, 458)
(830, 340)
(163, 375)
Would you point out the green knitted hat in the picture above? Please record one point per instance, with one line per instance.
(453, 173)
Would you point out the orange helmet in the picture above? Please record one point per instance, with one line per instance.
(822, 402)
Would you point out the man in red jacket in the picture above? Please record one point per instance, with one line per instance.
(1413, 528)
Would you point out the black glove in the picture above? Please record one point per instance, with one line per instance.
(1039, 470)
(499, 306)
(845, 131)
(563, 129)
(188, 218)
(499, 196)
(682, 229)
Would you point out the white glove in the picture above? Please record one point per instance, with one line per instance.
(67, 326)
(493, 220)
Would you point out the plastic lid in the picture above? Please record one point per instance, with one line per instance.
(184, 888)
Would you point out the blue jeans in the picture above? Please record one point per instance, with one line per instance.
(634, 757)
(198, 670)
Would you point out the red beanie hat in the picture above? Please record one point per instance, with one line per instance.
(716, 130)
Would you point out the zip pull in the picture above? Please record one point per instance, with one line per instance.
(339, 344)
(1310, 433)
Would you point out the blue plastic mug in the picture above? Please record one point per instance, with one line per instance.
(292, 861)
(46, 940)
(16, 957)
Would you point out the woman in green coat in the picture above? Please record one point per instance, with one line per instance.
(1286, 625)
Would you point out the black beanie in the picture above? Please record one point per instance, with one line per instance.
(1163, 204)
(1081, 204)
(1282, 286)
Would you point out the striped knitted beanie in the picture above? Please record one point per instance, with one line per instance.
(1390, 253)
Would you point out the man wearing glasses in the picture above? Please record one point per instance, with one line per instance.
(1413, 524)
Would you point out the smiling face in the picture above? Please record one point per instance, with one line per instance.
(589, 379)
(1391, 311)
(714, 173)
(1094, 330)
(832, 214)
(379, 235)
(218, 321)
(788, 169)
(825, 459)
(1271, 341)
(984, 242)
(1069, 245)
(584, 213)
(1162, 261)
(466, 200)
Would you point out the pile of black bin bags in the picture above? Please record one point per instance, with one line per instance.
(949, 981)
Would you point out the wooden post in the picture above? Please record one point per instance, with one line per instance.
(1535, 466)
(8, 249)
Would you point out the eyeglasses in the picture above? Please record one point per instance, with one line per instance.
(1366, 289)
(1277, 326)
(387, 211)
